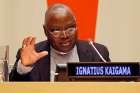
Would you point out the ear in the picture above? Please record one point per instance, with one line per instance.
(45, 30)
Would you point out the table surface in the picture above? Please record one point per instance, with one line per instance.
(70, 87)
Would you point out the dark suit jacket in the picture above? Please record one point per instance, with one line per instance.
(41, 70)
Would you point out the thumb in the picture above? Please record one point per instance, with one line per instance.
(42, 54)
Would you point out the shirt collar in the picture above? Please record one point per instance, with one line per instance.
(61, 53)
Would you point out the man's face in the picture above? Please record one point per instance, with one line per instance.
(61, 31)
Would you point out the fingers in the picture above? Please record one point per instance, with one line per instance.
(42, 54)
(24, 43)
(28, 41)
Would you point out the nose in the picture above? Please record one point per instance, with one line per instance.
(64, 34)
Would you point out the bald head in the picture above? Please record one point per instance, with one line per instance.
(58, 10)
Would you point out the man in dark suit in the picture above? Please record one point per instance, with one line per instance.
(37, 62)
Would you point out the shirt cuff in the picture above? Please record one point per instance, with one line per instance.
(21, 69)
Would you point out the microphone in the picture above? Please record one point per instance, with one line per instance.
(99, 54)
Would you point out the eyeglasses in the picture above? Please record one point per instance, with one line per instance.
(58, 32)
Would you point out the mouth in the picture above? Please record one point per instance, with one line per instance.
(66, 44)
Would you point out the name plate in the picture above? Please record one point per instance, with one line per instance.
(103, 70)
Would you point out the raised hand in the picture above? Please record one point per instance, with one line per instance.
(29, 56)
